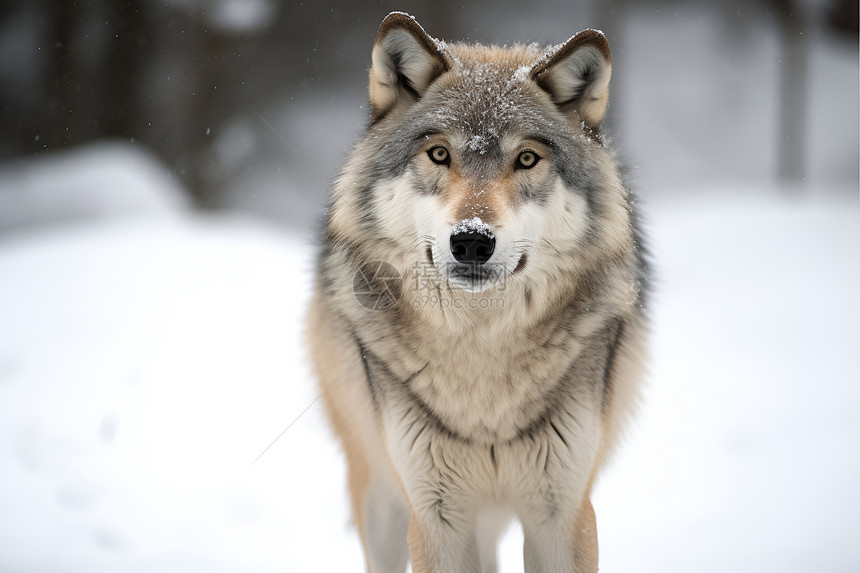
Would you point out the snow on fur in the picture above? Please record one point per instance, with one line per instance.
(473, 225)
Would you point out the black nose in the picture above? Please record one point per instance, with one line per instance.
(472, 248)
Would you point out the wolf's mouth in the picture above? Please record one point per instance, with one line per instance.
(476, 274)
(481, 277)
(477, 277)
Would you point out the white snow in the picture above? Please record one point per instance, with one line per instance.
(522, 73)
(144, 364)
(473, 225)
(479, 143)
(101, 181)
(744, 457)
(239, 16)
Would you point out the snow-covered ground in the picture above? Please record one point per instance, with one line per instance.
(147, 360)
(746, 454)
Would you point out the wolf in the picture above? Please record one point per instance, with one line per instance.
(478, 323)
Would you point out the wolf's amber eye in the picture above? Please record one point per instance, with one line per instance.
(527, 160)
(439, 155)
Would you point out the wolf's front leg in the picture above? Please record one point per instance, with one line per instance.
(384, 522)
(561, 541)
(437, 545)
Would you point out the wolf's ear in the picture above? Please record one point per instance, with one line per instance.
(405, 62)
(576, 75)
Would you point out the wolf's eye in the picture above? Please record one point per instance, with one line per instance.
(439, 155)
(527, 160)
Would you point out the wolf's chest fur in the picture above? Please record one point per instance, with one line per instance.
(484, 383)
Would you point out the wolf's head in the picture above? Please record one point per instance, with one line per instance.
(484, 163)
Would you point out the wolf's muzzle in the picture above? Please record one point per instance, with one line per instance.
(472, 248)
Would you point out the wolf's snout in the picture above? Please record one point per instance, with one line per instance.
(472, 248)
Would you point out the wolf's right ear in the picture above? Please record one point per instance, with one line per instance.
(405, 62)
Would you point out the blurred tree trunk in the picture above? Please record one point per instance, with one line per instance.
(60, 121)
(793, 88)
(842, 16)
(127, 50)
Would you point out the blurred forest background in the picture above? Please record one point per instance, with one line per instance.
(253, 104)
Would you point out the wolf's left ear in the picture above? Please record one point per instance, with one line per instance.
(576, 75)
(405, 62)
